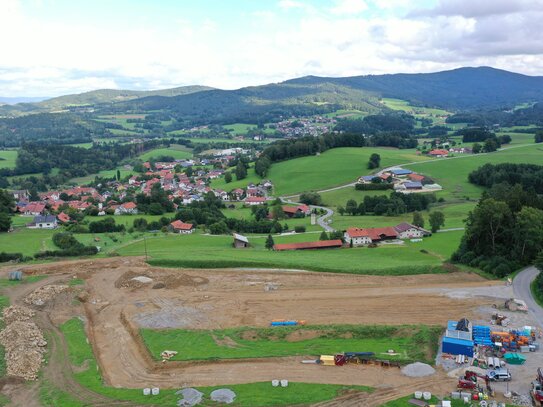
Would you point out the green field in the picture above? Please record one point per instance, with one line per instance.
(193, 251)
(220, 183)
(405, 106)
(248, 395)
(245, 213)
(26, 241)
(242, 128)
(105, 174)
(8, 158)
(247, 342)
(176, 151)
(333, 167)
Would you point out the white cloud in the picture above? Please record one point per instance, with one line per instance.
(48, 58)
(349, 7)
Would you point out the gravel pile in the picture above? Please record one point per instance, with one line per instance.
(16, 313)
(418, 370)
(191, 397)
(25, 346)
(226, 396)
(43, 294)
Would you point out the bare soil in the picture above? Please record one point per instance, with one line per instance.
(115, 307)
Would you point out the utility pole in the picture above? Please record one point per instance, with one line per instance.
(145, 246)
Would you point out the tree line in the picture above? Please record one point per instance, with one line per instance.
(505, 230)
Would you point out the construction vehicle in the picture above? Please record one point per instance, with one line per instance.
(469, 381)
(537, 389)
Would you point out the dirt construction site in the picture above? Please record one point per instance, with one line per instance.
(121, 295)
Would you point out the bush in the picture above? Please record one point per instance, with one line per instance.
(374, 187)
(4, 257)
(73, 251)
(64, 240)
(299, 229)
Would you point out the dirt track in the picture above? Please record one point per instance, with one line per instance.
(228, 298)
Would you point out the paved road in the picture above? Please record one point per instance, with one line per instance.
(521, 287)
(322, 220)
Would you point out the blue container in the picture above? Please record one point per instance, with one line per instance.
(457, 346)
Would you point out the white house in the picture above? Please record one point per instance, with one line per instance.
(357, 236)
(181, 227)
(44, 222)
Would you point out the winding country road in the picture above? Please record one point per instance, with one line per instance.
(521, 287)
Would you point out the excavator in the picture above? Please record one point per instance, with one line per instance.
(469, 381)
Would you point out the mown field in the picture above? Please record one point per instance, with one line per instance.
(8, 158)
(176, 151)
(247, 342)
(104, 174)
(242, 128)
(194, 251)
(248, 395)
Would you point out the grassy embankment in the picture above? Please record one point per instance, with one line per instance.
(249, 395)
(411, 342)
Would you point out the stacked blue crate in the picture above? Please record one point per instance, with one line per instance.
(481, 335)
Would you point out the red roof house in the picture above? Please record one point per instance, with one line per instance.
(439, 153)
(181, 227)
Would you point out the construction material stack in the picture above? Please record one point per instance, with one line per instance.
(481, 335)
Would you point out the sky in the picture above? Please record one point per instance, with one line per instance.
(56, 47)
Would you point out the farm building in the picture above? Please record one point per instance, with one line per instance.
(366, 179)
(438, 153)
(292, 211)
(407, 231)
(181, 227)
(415, 177)
(360, 237)
(400, 172)
(322, 244)
(240, 241)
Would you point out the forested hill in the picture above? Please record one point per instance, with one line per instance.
(114, 95)
(458, 89)
(255, 104)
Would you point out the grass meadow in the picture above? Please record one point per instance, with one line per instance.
(194, 251)
(176, 151)
(248, 342)
(8, 158)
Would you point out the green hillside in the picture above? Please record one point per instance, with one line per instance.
(113, 95)
(332, 168)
